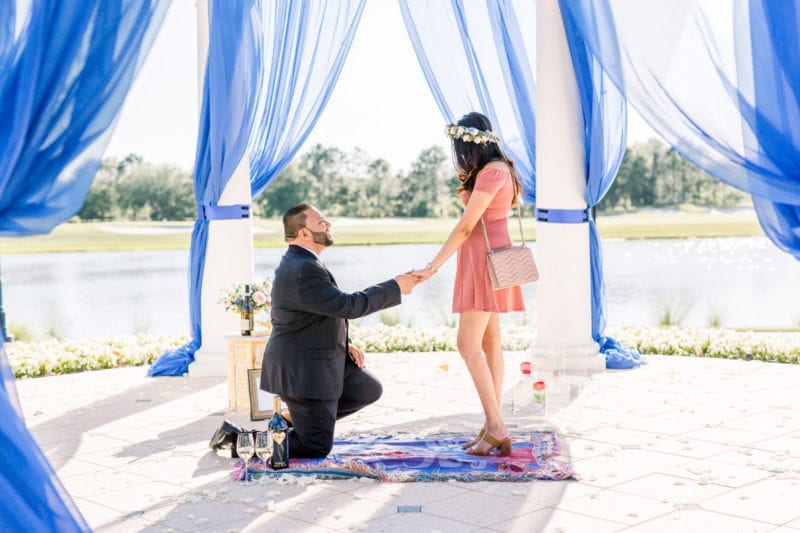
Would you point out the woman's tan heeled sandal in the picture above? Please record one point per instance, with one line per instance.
(476, 441)
(504, 446)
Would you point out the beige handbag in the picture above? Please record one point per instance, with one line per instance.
(510, 266)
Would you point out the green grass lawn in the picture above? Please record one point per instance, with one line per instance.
(120, 236)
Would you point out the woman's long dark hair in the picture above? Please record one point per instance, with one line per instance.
(469, 158)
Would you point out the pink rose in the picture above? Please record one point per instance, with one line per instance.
(259, 298)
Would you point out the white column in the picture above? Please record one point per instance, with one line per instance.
(564, 289)
(229, 253)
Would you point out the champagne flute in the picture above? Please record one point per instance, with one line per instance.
(244, 448)
(262, 450)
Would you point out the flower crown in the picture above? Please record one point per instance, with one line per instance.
(470, 135)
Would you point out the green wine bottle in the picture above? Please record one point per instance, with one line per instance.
(247, 312)
(279, 435)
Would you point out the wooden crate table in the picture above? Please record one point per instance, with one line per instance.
(244, 353)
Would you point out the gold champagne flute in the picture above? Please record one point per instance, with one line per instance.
(244, 448)
(263, 449)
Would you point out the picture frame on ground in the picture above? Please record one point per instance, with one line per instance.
(260, 401)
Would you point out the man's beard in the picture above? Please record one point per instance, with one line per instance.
(320, 237)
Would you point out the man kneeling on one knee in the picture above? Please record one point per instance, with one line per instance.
(309, 361)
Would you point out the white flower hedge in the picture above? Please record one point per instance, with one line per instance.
(401, 338)
(781, 347)
(33, 359)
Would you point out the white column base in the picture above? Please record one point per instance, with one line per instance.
(574, 359)
(209, 364)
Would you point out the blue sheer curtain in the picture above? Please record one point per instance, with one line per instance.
(306, 43)
(476, 56)
(271, 69)
(227, 116)
(719, 82)
(492, 45)
(774, 114)
(65, 69)
(604, 117)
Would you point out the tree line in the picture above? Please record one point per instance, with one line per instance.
(353, 184)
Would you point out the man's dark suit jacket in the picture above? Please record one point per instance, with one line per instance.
(307, 349)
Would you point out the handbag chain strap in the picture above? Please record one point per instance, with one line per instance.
(519, 219)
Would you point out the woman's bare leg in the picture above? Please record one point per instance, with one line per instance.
(471, 330)
(494, 354)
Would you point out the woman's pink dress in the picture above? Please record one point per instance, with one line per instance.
(473, 288)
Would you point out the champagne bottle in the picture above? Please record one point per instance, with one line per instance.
(247, 312)
(279, 435)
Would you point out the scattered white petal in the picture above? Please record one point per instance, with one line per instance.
(338, 513)
(201, 521)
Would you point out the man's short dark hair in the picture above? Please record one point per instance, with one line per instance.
(294, 219)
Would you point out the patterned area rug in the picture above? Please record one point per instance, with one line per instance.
(535, 455)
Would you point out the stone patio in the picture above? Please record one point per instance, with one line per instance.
(680, 444)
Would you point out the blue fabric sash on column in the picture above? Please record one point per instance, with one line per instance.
(223, 212)
(562, 216)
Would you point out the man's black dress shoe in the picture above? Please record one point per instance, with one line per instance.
(225, 437)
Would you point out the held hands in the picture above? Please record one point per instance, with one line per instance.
(423, 274)
(412, 278)
(406, 282)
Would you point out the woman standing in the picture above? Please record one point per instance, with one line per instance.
(489, 189)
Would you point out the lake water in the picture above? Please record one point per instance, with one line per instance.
(736, 282)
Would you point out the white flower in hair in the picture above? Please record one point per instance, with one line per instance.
(473, 135)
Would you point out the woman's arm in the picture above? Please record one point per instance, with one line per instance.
(478, 202)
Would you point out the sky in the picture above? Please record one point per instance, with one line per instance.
(380, 84)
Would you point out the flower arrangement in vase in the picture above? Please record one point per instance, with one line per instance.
(233, 297)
